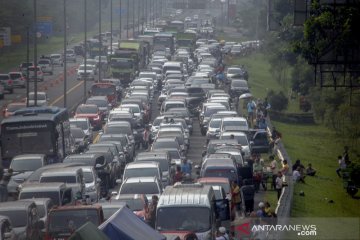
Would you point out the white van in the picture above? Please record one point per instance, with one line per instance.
(190, 207)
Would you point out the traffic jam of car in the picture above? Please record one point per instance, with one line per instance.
(128, 145)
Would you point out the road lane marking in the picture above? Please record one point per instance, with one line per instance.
(68, 92)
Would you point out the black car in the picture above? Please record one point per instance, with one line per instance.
(238, 87)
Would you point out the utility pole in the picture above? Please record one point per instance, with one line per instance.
(35, 52)
(120, 13)
(100, 45)
(27, 61)
(111, 26)
(138, 16)
(127, 19)
(133, 18)
(85, 47)
(65, 62)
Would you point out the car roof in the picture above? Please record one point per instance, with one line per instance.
(40, 187)
(213, 180)
(26, 156)
(140, 164)
(15, 205)
(61, 171)
(141, 179)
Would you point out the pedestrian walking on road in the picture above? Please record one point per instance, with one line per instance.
(146, 138)
(235, 196)
(150, 215)
(6, 176)
(178, 177)
(247, 196)
(186, 167)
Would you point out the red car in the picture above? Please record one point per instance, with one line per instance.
(92, 112)
(12, 107)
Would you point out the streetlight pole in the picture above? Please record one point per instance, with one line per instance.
(35, 52)
(138, 16)
(146, 12)
(27, 61)
(133, 18)
(85, 47)
(120, 13)
(100, 40)
(127, 19)
(111, 26)
(65, 62)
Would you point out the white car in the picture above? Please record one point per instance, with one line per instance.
(188, 19)
(88, 75)
(42, 99)
(57, 59)
(46, 66)
(92, 183)
(196, 17)
(70, 55)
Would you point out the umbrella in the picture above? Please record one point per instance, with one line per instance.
(246, 95)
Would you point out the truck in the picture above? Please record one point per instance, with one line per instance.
(186, 40)
(96, 48)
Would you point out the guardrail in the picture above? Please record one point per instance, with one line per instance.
(283, 208)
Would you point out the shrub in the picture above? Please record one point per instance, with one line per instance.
(278, 101)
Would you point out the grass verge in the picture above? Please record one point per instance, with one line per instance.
(314, 144)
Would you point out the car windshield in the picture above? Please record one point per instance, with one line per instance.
(54, 196)
(18, 218)
(99, 103)
(39, 96)
(88, 177)
(80, 124)
(61, 222)
(221, 172)
(239, 84)
(164, 164)
(139, 188)
(77, 133)
(141, 172)
(242, 140)
(215, 123)
(117, 130)
(19, 165)
(210, 111)
(167, 144)
(64, 179)
(87, 110)
(235, 123)
(234, 70)
(174, 154)
(195, 219)
(15, 75)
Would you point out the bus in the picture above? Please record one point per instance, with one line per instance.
(179, 25)
(105, 89)
(36, 130)
(164, 40)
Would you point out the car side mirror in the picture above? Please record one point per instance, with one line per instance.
(98, 180)
(197, 167)
(118, 181)
(114, 193)
(98, 166)
(251, 143)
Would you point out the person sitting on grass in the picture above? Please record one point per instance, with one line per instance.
(310, 171)
(297, 176)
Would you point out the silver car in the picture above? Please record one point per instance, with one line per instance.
(92, 183)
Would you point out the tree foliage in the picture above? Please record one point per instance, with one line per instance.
(278, 101)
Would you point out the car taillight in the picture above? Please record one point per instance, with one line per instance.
(10, 82)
